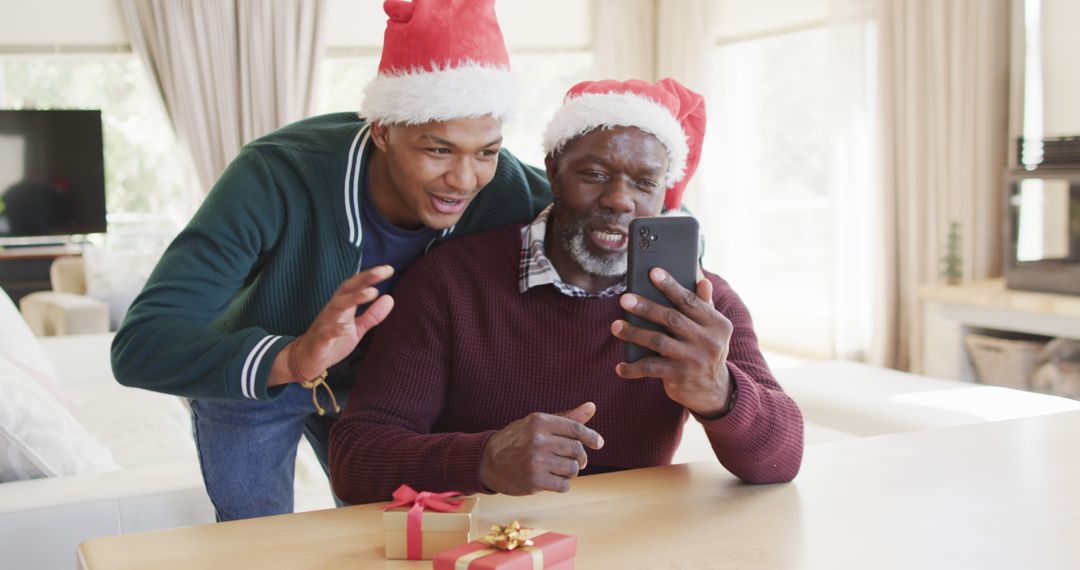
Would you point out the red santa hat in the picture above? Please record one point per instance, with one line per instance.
(666, 109)
(441, 60)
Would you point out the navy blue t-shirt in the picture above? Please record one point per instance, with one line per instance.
(386, 244)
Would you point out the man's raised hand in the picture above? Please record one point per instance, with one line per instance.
(336, 330)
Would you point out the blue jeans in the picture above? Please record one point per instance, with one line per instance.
(247, 449)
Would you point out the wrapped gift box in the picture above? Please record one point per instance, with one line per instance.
(440, 531)
(556, 550)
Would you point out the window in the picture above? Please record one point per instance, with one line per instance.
(789, 153)
(544, 77)
(342, 79)
(147, 178)
(770, 149)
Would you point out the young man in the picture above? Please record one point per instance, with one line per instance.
(259, 302)
(507, 343)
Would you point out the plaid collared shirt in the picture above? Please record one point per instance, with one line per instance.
(536, 268)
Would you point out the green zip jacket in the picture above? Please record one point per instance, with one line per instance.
(271, 243)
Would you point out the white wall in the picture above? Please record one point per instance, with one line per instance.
(734, 19)
(350, 23)
(525, 23)
(1061, 67)
(61, 22)
(354, 23)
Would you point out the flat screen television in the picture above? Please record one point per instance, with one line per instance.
(1042, 250)
(52, 173)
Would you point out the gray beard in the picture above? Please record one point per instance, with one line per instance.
(574, 243)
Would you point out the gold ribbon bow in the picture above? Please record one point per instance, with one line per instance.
(509, 537)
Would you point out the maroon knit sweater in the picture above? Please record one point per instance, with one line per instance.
(464, 353)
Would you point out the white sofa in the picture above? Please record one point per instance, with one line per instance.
(845, 400)
(860, 401)
(158, 485)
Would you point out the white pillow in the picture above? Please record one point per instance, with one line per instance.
(116, 276)
(19, 345)
(38, 436)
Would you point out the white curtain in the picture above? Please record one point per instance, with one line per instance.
(683, 42)
(683, 51)
(852, 97)
(624, 39)
(788, 170)
(653, 39)
(228, 71)
(944, 92)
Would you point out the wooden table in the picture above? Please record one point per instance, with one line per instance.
(993, 495)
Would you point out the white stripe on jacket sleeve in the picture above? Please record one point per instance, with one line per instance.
(348, 175)
(251, 365)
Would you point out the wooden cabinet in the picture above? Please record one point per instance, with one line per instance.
(951, 311)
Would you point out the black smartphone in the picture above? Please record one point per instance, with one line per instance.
(667, 242)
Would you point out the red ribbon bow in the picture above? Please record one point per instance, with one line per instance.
(405, 496)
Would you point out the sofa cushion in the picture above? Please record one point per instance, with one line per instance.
(140, 427)
(49, 313)
(80, 359)
(19, 346)
(38, 436)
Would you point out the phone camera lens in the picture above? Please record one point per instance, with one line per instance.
(643, 232)
(643, 243)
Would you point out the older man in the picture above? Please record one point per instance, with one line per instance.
(506, 344)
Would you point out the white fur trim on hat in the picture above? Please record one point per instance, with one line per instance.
(589, 111)
(420, 96)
